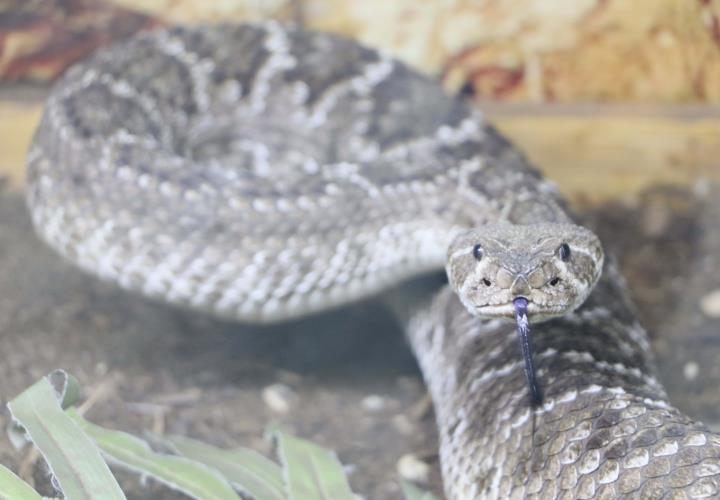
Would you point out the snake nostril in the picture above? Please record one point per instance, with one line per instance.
(554, 281)
(486, 282)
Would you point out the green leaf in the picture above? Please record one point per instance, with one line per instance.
(311, 472)
(66, 386)
(182, 474)
(14, 488)
(412, 492)
(74, 461)
(246, 469)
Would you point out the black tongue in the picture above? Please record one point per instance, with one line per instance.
(520, 304)
(523, 328)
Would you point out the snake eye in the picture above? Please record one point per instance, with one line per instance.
(554, 281)
(564, 252)
(478, 252)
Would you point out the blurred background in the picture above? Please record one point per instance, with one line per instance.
(618, 102)
(646, 74)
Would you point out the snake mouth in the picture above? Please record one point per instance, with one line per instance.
(508, 309)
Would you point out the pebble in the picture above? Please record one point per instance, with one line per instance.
(404, 425)
(702, 188)
(710, 304)
(655, 219)
(101, 369)
(691, 370)
(411, 468)
(409, 384)
(279, 397)
(288, 378)
(373, 403)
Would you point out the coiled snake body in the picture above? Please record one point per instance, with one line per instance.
(261, 172)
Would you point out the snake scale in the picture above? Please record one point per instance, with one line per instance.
(260, 172)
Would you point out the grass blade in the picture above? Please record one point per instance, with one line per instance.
(67, 388)
(246, 469)
(182, 474)
(412, 492)
(311, 472)
(14, 488)
(74, 461)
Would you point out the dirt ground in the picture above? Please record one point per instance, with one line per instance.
(353, 382)
(346, 379)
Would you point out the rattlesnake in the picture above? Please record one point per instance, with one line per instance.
(262, 172)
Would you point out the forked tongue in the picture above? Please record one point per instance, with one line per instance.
(523, 328)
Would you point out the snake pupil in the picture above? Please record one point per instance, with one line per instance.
(564, 251)
(477, 252)
(554, 281)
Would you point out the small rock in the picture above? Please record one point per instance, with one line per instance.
(411, 468)
(710, 304)
(409, 384)
(656, 219)
(702, 188)
(349, 469)
(373, 403)
(404, 425)
(288, 378)
(278, 397)
(691, 370)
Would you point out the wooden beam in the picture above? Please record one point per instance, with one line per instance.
(593, 152)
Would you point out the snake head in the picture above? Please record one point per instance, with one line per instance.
(554, 266)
